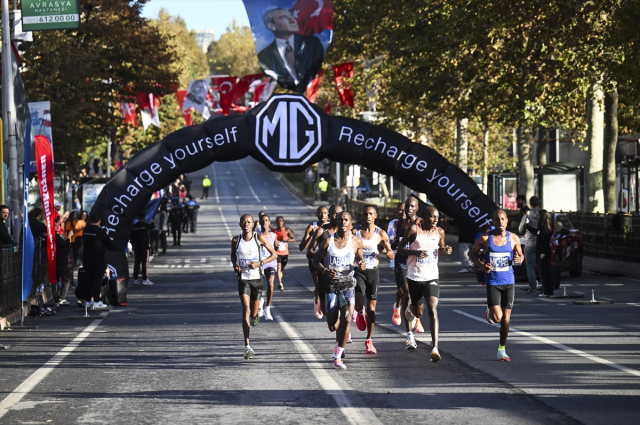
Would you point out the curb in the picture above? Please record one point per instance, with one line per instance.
(14, 318)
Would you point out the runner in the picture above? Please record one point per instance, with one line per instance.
(367, 281)
(501, 249)
(335, 261)
(400, 271)
(285, 235)
(422, 272)
(323, 216)
(391, 228)
(270, 269)
(246, 255)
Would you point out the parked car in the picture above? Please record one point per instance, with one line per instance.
(566, 247)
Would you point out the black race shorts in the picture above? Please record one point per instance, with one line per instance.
(251, 287)
(311, 268)
(400, 274)
(423, 289)
(367, 282)
(269, 271)
(502, 295)
(283, 259)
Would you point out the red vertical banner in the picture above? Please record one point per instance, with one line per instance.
(342, 71)
(44, 164)
(181, 95)
(312, 88)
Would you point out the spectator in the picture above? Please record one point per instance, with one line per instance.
(94, 260)
(206, 184)
(529, 228)
(323, 186)
(140, 242)
(521, 202)
(154, 235)
(185, 216)
(543, 252)
(186, 181)
(38, 228)
(182, 193)
(163, 225)
(62, 267)
(464, 245)
(344, 199)
(5, 238)
(76, 205)
(57, 207)
(78, 229)
(192, 213)
(175, 219)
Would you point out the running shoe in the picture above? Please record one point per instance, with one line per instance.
(354, 316)
(411, 343)
(100, 304)
(281, 286)
(369, 347)
(255, 321)
(335, 351)
(248, 353)
(410, 317)
(260, 309)
(395, 318)
(135, 282)
(502, 355)
(267, 314)
(147, 282)
(435, 355)
(63, 302)
(361, 322)
(318, 310)
(349, 340)
(337, 363)
(487, 316)
(419, 328)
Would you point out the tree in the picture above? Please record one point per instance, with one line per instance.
(234, 53)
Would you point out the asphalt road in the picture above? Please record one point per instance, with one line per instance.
(175, 353)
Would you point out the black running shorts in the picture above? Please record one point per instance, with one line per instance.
(283, 259)
(251, 287)
(311, 268)
(269, 271)
(367, 282)
(423, 289)
(400, 274)
(502, 295)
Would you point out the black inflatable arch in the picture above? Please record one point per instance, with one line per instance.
(286, 133)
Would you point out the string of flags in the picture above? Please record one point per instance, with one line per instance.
(221, 94)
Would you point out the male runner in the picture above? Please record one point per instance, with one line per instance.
(246, 256)
(335, 260)
(367, 281)
(323, 216)
(501, 249)
(391, 228)
(422, 272)
(402, 295)
(284, 236)
(270, 269)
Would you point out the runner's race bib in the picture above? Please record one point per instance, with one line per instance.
(244, 262)
(339, 263)
(500, 261)
(370, 256)
(282, 246)
(431, 258)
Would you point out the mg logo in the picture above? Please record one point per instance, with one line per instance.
(288, 130)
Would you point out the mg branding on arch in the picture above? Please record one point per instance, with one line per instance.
(288, 130)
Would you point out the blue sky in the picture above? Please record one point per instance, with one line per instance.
(201, 14)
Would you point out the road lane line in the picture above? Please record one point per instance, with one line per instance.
(37, 376)
(248, 184)
(224, 221)
(558, 345)
(333, 385)
(215, 185)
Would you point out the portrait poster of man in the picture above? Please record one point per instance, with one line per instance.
(291, 38)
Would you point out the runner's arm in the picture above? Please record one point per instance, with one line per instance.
(234, 255)
(290, 236)
(264, 242)
(314, 242)
(409, 238)
(515, 245)
(359, 255)
(317, 261)
(473, 253)
(384, 241)
(443, 248)
(306, 239)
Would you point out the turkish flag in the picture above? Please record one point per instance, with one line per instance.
(313, 16)
(225, 89)
(263, 91)
(44, 166)
(342, 71)
(181, 95)
(129, 115)
(143, 100)
(312, 88)
(243, 85)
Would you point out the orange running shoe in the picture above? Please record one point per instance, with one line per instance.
(396, 319)
(419, 328)
(370, 348)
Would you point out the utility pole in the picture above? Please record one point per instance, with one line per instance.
(8, 106)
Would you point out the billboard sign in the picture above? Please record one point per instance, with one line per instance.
(38, 15)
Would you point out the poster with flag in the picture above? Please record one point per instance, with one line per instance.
(226, 87)
(129, 115)
(314, 85)
(342, 71)
(41, 118)
(291, 38)
(149, 107)
(44, 165)
(27, 237)
(181, 95)
(263, 91)
(196, 97)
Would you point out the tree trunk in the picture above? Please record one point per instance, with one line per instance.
(525, 163)
(541, 148)
(462, 143)
(485, 158)
(594, 196)
(610, 143)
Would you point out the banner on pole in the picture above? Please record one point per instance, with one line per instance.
(38, 15)
(44, 162)
(27, 236)
(41, 119)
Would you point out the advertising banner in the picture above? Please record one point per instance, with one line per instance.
(38, 15)
(27, 237)
(41, 119)
(291, 38)
(44, 163)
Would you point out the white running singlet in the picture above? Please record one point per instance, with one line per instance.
(340, 259)
(267, 254)
(370, 248)
(246, 253)
(424, 269)
(391, 231)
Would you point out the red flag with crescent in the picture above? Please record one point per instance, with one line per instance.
(312, 88)
(225, 89)
(313, 16)
(342, 71)
(242, 86)
(181, 95)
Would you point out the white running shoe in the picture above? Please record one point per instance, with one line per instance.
(248, 353)
(354, 316)
(410, 317)
(147, 282)
(267, 314)
(435, 355)
(100, 304)
(261, 310)
(502, 355)
(411, 343)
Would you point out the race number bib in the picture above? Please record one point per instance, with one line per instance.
(282, 246)
(370, 256)
(431, 258)
(500, 261)
(340, 262)
(244, 262)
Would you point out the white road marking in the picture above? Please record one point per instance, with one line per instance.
(558, 345)
(224, 221)
(630, 278)
(634, 304)
(37, 376)
(248, 184)
(203, 260)
(331, 382)
(614, 284)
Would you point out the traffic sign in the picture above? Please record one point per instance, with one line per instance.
(39, 15)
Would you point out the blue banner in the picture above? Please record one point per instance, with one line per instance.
(27, 236)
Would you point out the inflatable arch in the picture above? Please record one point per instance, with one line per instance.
(286, 133)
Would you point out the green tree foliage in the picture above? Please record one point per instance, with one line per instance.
(234, 53)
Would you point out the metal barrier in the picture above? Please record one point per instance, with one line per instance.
(613, 236)
(11, 273)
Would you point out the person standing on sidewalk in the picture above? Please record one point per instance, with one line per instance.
(543, 252)
(5, 237)
(163, 226)
(191, 208)
(140, 242)
(206, 184)
(62, 266)
(175, 218)
(529, 228)
(94, 258)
